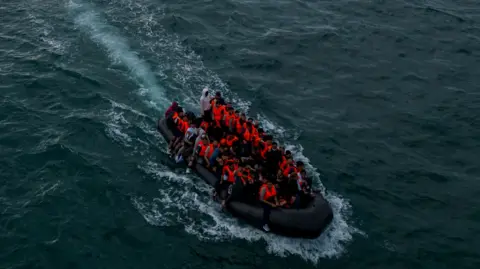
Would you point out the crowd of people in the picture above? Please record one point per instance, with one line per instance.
(237, 150)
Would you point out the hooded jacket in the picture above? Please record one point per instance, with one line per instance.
(205, 100)
(171, 109)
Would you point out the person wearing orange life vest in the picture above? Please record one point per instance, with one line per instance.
(182, 127)
(234, 117)
(218, 109)
(239, 124)
(265, 145)
(268, 197)
(285, 157)
(199, 151)
(288, 167)
(226, 180)
(231, 140)
(209, 152)
(173, 123)
(185, 147)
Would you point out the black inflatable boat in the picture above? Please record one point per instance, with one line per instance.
(307, 222)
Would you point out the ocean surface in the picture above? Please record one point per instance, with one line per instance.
(380, 98)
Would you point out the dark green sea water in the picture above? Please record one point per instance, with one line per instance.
(380, 98)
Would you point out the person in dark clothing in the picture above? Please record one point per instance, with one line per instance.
(216, 132)
(220, 100)
(171, 109)
(273, 159)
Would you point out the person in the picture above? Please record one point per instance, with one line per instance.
(219, 99)
(205, 106)
(176, 128)
(217, 152)
(187, 144)
(273, 157)
(199, 152)
(268, 197)
(171, 109)
(209, 152)
(227, 179)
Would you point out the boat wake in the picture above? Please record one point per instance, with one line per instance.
(193, 206)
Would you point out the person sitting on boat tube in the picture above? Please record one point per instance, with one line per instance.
(268, 197)
(186, 145)
(199, 151)
(209, 151)
(178, 124)
(227, 179)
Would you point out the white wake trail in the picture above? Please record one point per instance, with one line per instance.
(92, 23)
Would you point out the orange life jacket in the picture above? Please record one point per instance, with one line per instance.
(283, 162)
(223, 142)
(256, 141)
(265, 149)
(247, 135)
(231, 139)
(183, 126)
(218, 111)
(227, 117)
(204, 125)
(269, 193)
(287, 168)
(230, 174)
(175, 117)
(239, 126)
(210, 150)
(203, 148)
(254, 130)
(247, 173)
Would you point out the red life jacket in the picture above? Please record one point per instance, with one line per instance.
(269, 193)
(230, 174)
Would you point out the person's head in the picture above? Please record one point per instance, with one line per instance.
(300, 165)
(193, 124)
(205, 91)
(184, 117)
(204, 139)
(218, 95)
(231, 164)
(249, 125)
(250, 120)
(224, 149)
(243, 116)
(174, 104)
(303, 173)
(180, 112)
(269, 183)
(274, 145)
(237, 112)
(282, 149)
(289, 160)
(215, 143)
(288, 153)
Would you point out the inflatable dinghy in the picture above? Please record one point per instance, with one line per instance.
(307, 222)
